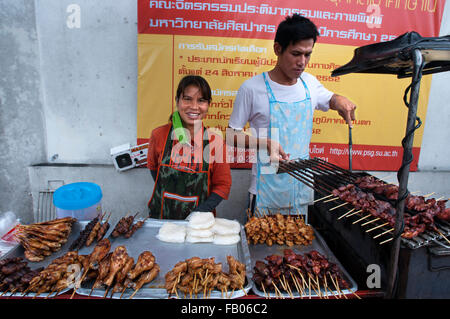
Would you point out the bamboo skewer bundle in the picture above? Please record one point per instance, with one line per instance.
(281, 273)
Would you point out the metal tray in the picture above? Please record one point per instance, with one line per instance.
(260, 251)
(166, 256)
(19, 251)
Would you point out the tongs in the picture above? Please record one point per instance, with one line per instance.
(350, 144)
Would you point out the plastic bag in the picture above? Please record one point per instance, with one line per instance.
(8, 223)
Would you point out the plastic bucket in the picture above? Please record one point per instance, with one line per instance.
(78, 200)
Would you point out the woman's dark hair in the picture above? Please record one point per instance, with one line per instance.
(197, 81)
(295, 28)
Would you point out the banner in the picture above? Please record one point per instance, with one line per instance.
(229, 41)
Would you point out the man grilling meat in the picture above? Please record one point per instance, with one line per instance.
(281, 102)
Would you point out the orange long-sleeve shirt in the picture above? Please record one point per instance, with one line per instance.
(220, 175)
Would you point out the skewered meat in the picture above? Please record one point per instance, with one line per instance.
(296, 270)
(196, 275)
(56, 275)
(145, 262)
(94, 231)
(147, 276)
(122, 275)
(118, 259)
(41, 239)
(412, 202)
(103, 270)
(279, 229)
(116, 269)
(103, 229)
(134, 228)
(100, 251)
(123, 226)
(81, 240)
(413, 225)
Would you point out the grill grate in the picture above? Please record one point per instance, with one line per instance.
(45, 208)
(323, 177)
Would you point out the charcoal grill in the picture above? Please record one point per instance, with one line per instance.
(359, 240)
(323, 177)
(409, 55)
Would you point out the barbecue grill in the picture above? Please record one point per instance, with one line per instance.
(359, 239)
(410, 55)
(324, 177)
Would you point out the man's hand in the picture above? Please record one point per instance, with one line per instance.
(344, 107)
(274, 150)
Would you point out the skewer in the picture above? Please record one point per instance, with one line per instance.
(362, 218)
(286, 286)
(79, 283)
(387, 240)
(354, 213)
(295, 284)
(309, 286)
(303, 280)
(322, 198)
(448, 241)
(356, 294)
(346, 213)
(27, 291)
(231, 294)
(376, 227)
(337, 283)
(134, 293)
(123, 290)
(318, 286)
(427, 195)
(106, 292)
(385, 232)
(4, 292)
(337, 206)
(277, 290)
(335, 286)
(310, 278)
(331, 200)
(12, 292)
(326, 285)
(370, 221)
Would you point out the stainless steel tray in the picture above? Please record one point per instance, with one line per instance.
(166, 256)
(260, 251)
(19, 251)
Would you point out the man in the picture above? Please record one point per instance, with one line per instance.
(279, 106)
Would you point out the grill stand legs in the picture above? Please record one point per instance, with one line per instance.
(403, 173)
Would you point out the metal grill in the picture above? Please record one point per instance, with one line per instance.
(45, 208)
(324, 177)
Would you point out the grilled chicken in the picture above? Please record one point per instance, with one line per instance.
(118, 260)
(122, 275)
(145, 261)
(103, 270)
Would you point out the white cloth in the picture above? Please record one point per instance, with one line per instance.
(252, 104)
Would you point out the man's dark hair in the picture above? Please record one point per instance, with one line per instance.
(197, 81)
(295, 28)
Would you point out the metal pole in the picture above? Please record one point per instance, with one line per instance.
(403, 173)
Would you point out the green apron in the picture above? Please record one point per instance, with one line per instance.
(178, 190)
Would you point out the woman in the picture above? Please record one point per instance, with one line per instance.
(187, 161)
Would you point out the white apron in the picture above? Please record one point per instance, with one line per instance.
(291, 126)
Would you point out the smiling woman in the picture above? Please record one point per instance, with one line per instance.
(190, 169)
(193, 98)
